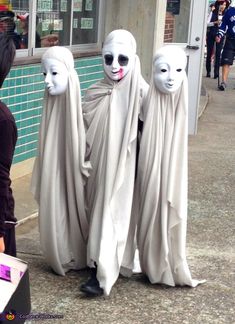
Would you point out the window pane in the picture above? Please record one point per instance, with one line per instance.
(177, 21)
(85, 21)
(54, 22)
(11, 24)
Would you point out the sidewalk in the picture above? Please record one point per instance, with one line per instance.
(25, 205)
(210, 242)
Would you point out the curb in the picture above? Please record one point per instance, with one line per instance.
(27, 218)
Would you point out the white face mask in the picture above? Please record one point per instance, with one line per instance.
(56, 76)
(118, 59)
(169, 72)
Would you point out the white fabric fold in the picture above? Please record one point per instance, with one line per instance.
(110, 113)
(59, 174)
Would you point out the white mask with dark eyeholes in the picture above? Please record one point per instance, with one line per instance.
(117, 60)
(169, 70)
(56, 76)
(118, 54)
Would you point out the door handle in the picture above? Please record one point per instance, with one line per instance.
(193, 47)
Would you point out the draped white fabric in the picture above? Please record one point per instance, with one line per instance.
(162, 187)
(59, 174)
(110, 113)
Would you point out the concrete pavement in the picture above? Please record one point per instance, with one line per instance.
(210, 241)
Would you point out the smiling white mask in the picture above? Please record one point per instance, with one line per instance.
(169, 68)
(56, 76)
(118, 54)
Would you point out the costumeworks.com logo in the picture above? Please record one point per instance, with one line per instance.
(9, 316)
(12, 316)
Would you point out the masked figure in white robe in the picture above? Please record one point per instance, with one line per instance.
(60, 171)
(162, 172)
(111, 109)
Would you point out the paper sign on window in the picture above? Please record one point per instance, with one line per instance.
(75, 23)
(86, 23)
(58, 24)
(45, 24)
(63, 5)
(89, 5)
(44, 5)
(77, 5)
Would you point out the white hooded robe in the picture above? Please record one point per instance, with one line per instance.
(59, 174)
(110, 113)
(162, 187)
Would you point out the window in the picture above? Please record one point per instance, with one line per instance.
(73, 23)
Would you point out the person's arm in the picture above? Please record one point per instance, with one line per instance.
(209, 22)
(212, 19)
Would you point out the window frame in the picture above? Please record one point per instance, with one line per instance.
(33, 55)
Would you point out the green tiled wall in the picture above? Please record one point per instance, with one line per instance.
(23, 92)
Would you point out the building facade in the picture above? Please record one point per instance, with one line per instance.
(80, 25)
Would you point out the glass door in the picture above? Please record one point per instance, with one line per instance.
(185, 26)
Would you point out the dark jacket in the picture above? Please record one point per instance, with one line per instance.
(16, 38)
(24, 40)
(8, 138)
(213, 30)
(228, 24)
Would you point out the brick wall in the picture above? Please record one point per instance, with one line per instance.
(169, 28)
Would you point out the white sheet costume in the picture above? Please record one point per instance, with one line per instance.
(162, 172)
(60, 170)
(111, 110)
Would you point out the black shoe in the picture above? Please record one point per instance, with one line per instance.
(222, 86)
(216, 76)
(92, 286)
(208, 75)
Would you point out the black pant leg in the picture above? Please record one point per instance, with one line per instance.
(210, 45)
(219, 47)
(10, 242)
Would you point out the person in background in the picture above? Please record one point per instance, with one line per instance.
(228, 28)
(24, 25)
(213, 26)
(212, 8)
(50, 40)
(8, 138)
(4, 15)
(7, 26)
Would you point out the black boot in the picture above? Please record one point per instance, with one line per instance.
(92, 286)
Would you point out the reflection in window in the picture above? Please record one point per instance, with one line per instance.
(85, 21)
(23, 26)
(57, 22)
(57, 18)
(53, 28)
(8, 19)
(177, 21)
